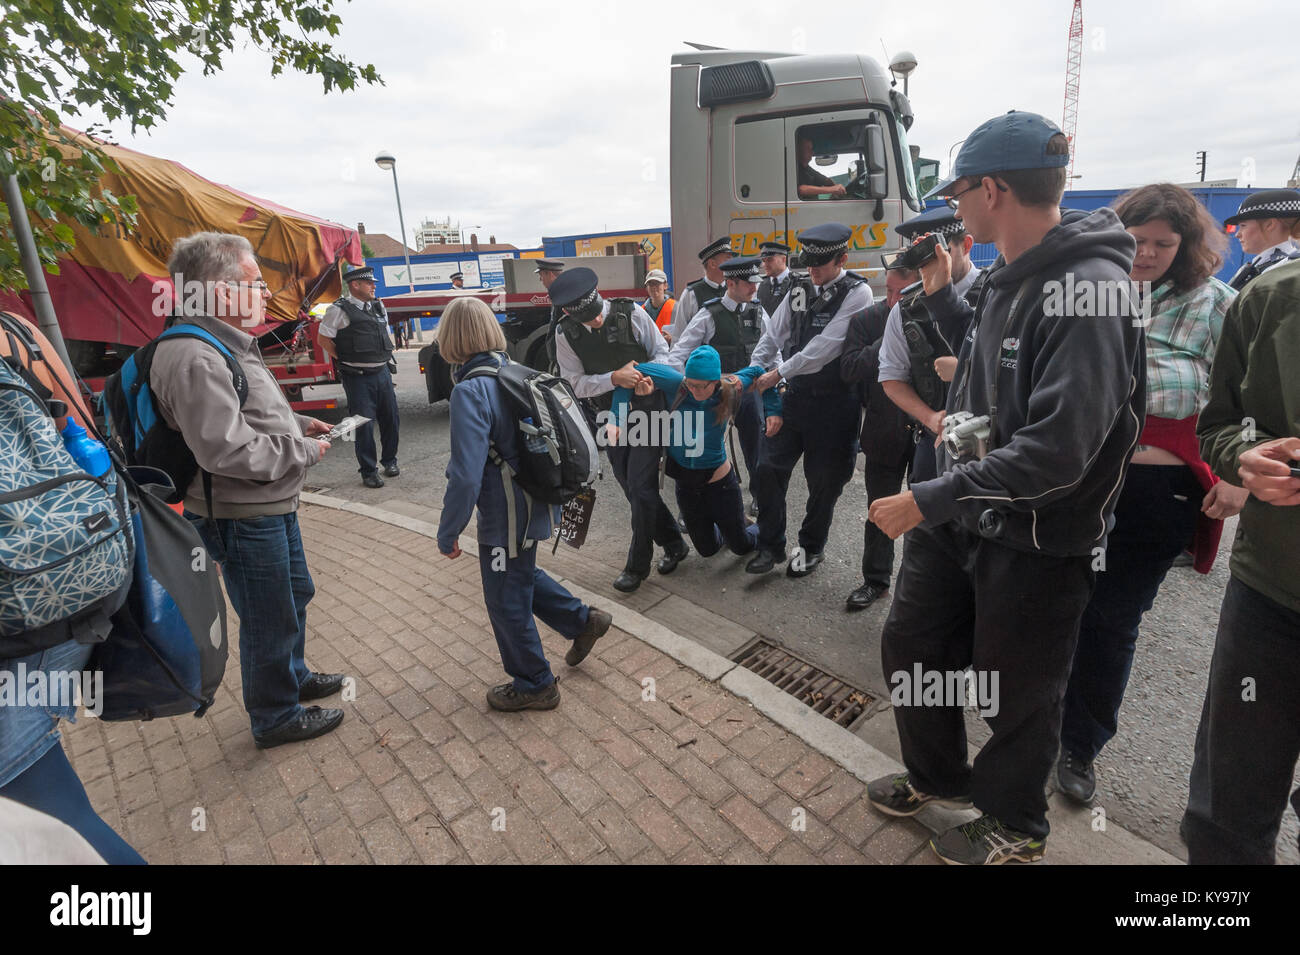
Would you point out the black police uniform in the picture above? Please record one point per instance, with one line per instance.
(636, 469)
(820, 412)
(885, 438)
(370, 390)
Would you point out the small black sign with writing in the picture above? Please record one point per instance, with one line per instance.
(575, 517)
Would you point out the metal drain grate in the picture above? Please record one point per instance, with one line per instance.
(312, 489)
(823, 692)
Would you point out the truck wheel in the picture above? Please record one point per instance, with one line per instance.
(293, 392)
(537, 355)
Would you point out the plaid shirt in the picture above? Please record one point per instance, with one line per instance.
(1181, 338)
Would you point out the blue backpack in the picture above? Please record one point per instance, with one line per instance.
(66, 545)
(131, 414)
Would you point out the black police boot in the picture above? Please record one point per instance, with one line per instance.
(763, 561)
(627, 582)
(372, 480)
(864, 597)
(320, 685)
(1076, 778)
(804, 564)
(392, 470)
(674, 554)
(310, 723)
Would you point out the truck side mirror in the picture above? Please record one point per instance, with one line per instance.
(877, 181)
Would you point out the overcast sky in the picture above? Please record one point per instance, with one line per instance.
(532, 123)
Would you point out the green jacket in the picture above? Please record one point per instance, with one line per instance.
(1255, 397)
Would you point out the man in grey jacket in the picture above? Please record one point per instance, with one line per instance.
(1004, 543)
(257, 455)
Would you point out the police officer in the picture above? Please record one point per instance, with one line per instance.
(457, 279)
(912, 342)
(776, 275)
(547, 271)
(821, 412)
(703, 289)
(885, 438)
(1268, 224)
(596, 345)
(354, 332)
(733, 324)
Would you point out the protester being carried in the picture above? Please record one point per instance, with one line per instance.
(702, 405)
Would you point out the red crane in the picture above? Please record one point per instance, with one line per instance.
(1073, 67)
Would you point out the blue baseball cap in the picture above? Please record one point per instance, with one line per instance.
(1017, 140)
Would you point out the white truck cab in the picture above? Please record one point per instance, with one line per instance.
(749, 128)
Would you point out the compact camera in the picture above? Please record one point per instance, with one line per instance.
(966, 436)
(915, 256)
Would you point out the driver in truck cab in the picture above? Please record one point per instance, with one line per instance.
(812, 184)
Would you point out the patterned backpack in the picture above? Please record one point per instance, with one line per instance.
(66, 547)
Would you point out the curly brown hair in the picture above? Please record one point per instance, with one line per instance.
(1203, 243)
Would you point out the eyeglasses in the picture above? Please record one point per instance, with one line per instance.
(955, 198)
(260, 285)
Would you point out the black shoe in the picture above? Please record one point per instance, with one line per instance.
(310, 723)
(1076, 778)
(807, 564)
(673, 556)
(597, 625)
(894, 796)
(627, 582)
(392, 470)
(763, 561)
(373, 480)
(865, 596)
(1184, 560)
(753, 507)
(506, 697)
(320, 685)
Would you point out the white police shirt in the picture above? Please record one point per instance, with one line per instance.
(701, 330)
(589, 386)
(687, 308)
(823, 348)
(895, 361)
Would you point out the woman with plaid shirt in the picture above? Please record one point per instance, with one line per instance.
(1170, 500)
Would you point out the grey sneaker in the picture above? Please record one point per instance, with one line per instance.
(506, 697)
(895, 796)
(986, 841)
(597, 625)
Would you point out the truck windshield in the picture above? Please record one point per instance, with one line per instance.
(910, 192)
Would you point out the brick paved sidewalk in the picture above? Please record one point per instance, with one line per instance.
(422, 771)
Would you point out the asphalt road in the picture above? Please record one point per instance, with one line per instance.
(1142, 774)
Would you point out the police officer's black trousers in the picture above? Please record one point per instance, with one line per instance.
(925, 461)
(820, 429)
(373, 396)
(637, 472)
(963, 601)
(749, 428)
(883, 479)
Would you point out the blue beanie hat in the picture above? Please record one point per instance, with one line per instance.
(704, 364)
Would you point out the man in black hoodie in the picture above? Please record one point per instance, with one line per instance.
(1000, 561)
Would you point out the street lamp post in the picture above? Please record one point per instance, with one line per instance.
(386, 160)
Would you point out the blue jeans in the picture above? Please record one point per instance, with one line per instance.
(514, 591)
(28, 732)
(266, 577)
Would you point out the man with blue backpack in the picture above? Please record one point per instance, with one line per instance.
(239, 457)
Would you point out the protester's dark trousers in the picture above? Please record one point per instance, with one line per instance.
(964, 601)
(1155, 519)
(883, 479)
(515, 590)
(372, 395)
(715, 515)
(822, 430)
(1249, 738)
(266, 576)
(637, 472)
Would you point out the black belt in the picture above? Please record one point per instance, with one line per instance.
(345, 369)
